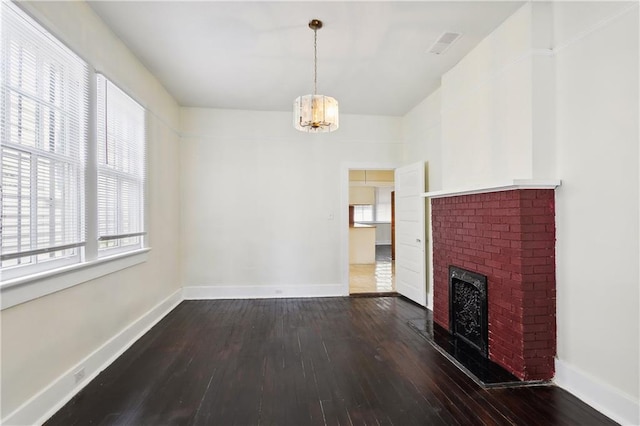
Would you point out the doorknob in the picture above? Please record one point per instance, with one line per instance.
(418, 240)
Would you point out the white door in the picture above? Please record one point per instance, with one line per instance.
(410, 235)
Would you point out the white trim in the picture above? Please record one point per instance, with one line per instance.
(243, 140)
(20, 290)
(207, 292)
(620, 407)
(509, 186)
(602, 397)
(47, 402)
(542, 52)
(377, 183)
(597, 26)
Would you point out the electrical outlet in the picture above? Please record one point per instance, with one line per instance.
(79, 375)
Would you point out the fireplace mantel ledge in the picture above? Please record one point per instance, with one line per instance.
(509, 186)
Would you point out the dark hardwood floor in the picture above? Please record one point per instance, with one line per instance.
(346, 361)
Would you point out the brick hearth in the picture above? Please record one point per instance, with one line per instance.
(509, 236)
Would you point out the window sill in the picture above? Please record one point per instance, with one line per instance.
(20, 290)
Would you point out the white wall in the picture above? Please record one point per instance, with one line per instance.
(257, 197)
(514, 108)
(43, 339)
(423, 139)
(496, 126)
(597, 206)
(486, 108)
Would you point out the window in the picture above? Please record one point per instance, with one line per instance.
(45, 170)
(380, 212)
(121, 169)
(363, 213)
(43, 125)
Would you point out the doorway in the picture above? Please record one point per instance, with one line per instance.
(371, 260)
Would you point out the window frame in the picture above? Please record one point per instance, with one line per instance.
(38, 282)
(45, 108)
(136, 177)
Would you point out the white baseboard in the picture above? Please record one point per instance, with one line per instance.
(262, 291)
(47, 402)
(609, 401)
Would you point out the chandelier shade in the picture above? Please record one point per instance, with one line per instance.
(315, 113)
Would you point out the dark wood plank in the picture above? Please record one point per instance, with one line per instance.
(334, 361)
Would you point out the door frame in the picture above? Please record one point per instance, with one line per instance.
(344, 212)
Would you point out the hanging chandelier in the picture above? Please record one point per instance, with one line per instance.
(315, 113)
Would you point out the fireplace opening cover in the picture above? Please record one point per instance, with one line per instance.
(468, 319)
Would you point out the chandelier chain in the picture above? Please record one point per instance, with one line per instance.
(315, 61)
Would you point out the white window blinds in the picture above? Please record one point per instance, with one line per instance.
(363, 213)
(43, 129)
(383, 203)
(121, 169)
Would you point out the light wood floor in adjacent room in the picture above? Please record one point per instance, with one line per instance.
(374, 278)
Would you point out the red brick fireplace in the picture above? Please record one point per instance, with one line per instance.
(508, 236)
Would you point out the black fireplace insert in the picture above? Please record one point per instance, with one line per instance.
(468, 318)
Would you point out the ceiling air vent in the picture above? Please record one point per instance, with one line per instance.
(443, 43)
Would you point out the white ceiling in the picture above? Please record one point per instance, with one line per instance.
(259, 55)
